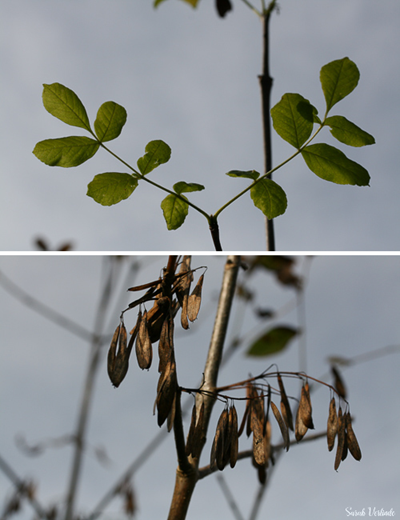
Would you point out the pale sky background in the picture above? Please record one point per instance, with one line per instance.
(190, 78)
(351, 307)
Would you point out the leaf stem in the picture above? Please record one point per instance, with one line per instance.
(268, 174)
(144, 178)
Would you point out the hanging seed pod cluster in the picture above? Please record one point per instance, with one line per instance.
(170, 293)
(261, 405)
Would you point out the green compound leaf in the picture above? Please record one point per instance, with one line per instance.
(112, 187)
(186, 187)
(175, 211)
(110, 120)
(332, 165)
(347, 132)
(275, 340)
(269, 197)
(64, 104)
(293, 119)
(66, 151)
(157, 152)
(252, 174)
(338, 79)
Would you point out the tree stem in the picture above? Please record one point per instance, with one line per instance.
(265, 81)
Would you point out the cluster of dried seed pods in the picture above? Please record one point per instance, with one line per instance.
(339, 424)
(170, 293)
(225, 447)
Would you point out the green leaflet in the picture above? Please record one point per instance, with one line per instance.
(332, 165)
(157, 152)
(175, 211)
(347, 132)
(269, 197)
(293, 119)
(66, 151)
(275, 340)
(110, 120)
(252, 174)
(338, 79)
(186, 187)
(112, 187)
(62, 103)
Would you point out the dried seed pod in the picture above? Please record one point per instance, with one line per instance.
(305, 407)
(234, 444)
(118, 363)
(332, 425)
(196, 436)
(194, 300)
(144, 349)
(338, 382)
(244, 419)
(341, 436)
(182, 286)
(165, 345)
(352, 442)
(218, 447)
(261, 435)
(171, 415)
(285, 406)
(189, 441)
(166, 390)
(282, 425)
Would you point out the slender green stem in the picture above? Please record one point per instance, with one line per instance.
(252, 8)
(267, 175)
(144, 178)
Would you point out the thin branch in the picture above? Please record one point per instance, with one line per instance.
(229, 497)
(19, 485)
(86, 401)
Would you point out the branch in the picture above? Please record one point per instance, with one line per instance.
(186, 480)
(265, 81)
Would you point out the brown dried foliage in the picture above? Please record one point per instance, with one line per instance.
(225, 445)
(195, 436)
(341, 433)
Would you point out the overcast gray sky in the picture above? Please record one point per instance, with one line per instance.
(190, 78)
(351, 307)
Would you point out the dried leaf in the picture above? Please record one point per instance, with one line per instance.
(341, 437)
(194, 301)
(285, 406)
(244, 419)
(282, 425)
(332, 424)
(144, 349)
(338, 382)
(352, 442)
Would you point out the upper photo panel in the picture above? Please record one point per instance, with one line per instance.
(199, 125)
